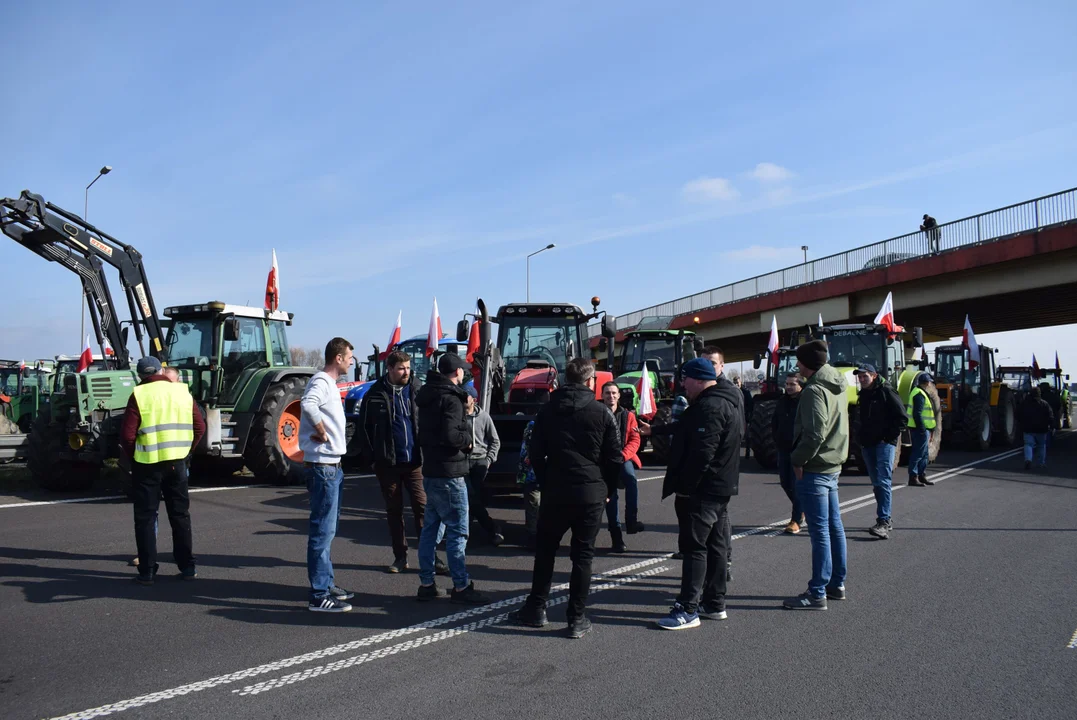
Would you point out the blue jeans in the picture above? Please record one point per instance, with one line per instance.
(325, 485)
(788, 480)
(818, 496)
(446, 504)
(918, 455)
(628, 475)
(880, 459)
(1037, 442)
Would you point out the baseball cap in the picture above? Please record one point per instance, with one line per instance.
(469, 388)
(925, 377)
(867, 368)
(450, 363)
(148, 366)
(699, 369)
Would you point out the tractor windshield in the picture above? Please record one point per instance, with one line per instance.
(9, 381)
(949, 367)
(638, 349)
(1017, 380)
(849, 348)
(550, 339)
(190, 342)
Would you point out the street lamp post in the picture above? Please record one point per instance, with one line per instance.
(85, 216)
(805, 249)
(551, 246)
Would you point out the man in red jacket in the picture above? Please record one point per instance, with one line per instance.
(629, 431)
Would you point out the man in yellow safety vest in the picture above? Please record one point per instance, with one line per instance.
(921, 421)
(161, 425)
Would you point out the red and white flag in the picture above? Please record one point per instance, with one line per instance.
(772, 344)
(394, 339)
(473, 341)
(647, 406)
(86, 358)
(109, 352)
(886, 314)
(273, 286)
(968, 341)
(1035, 368)
(22, 363)
(434, 333)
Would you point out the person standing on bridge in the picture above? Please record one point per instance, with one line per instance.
(931, 228)
(576, 455)
(921, 421)
(785, 415)
(323, 442)
(821, 447)
(882, 417)
(628, 430)
(1036, 419)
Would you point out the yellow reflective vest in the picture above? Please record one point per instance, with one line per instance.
(166, 432)
(927, 414)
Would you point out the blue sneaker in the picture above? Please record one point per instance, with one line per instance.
(678, 619)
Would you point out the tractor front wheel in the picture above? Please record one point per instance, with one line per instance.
(47, 441)
(761, 433)
(272, 451)
(976, 425)
(1006, 418)
(660, 443)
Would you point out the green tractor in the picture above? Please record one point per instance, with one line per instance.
(235, 359)
(21, 390)
(663, 351)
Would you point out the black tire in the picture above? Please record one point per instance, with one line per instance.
(976, 424)
(761, 433)
(26, 423)
(660, 443)
(263, 454)
(47, 469)
(856, 456)
(1005, 433)
(934, 439)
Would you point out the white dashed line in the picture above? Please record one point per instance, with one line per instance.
(1073, 642)
(103, 498)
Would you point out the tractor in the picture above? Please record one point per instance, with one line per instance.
(761, 429)
(527, 362)
(235, 359)
(1020, 380)
(977, 409)
(663, 351)
(21, 391)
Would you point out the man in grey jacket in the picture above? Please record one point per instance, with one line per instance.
(484, 446)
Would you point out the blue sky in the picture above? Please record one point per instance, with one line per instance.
(393, 152)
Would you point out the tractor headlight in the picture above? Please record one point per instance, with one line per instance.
(76, 441)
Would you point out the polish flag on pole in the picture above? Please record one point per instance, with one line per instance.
(772, 344)
(273, 286)
(86, 358)
(647, 406)
(473, 342)
(109, 352)
(1035, 368)
(886, 314)
(968, 341)
(394, 339)
(1058, 367)
(434, 333)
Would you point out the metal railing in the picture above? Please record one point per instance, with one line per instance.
(1056, 209)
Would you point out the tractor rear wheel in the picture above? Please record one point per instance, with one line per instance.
(51, 473)
(1005, 419)
(976, 425)
(660, 443)
(934, 438)
(761, 433)
(272, 452)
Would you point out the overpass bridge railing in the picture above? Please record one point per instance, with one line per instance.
(1061, 207)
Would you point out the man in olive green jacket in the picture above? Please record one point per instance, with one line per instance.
(820, 448)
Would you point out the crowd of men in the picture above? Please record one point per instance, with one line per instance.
(432, 442)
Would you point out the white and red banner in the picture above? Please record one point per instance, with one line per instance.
(434, 333)
(394, 338)
(772, 344)
(886, 314)
(647, 405)
(86, 358)
(273, 286)
(968, 341)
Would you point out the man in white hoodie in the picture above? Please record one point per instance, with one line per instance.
(323, 442)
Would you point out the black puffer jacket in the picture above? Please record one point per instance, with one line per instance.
(443, 434)
(785, 416)
(704, 456)
(882, 415)
(375, 431)
(575, 447)
(1035, 415)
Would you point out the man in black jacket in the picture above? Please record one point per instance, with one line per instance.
(882, 417)
(446, 445)
(703, 472)
(576, 455)
(1036, 419)
(785, 414)
(388, 428)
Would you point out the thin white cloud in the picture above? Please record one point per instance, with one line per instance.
(770, 173)
(756, 253)
(710, 189)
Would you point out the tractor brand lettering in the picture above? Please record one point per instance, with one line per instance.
(844, 333)
(101, 246)
(143, 302)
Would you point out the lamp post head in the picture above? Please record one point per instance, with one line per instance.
(106, 170)
(804, 248)
(551, 246)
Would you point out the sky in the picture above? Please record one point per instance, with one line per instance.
(391, 153)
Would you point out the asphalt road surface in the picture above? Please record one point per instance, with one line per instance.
(967, 611)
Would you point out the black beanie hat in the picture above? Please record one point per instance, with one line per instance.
(812, 354)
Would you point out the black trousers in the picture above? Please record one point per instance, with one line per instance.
(554, 520)
(150, 483)
(476, 497)
(704, 525)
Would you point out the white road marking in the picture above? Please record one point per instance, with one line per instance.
(102, 498)
(1073, 642)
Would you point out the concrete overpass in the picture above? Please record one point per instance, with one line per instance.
(1010, 269)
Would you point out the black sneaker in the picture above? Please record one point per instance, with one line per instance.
(328, 604)
(340, 593)
(712, 612)
(440, 568)
(529, 616)
(880, 530)
(399, 565)
(636, 527)
(925, 481)
(837, 593)
(468, 596)
(677, 556)
(914, 481)
(188, 573)
(804, 601)
(429, 592)
(579, 627)
(1028, 466)
(141, 579)
(497, 539)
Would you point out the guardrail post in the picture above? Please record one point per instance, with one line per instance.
(756, 284)
(1036, 205)
(977, 228)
